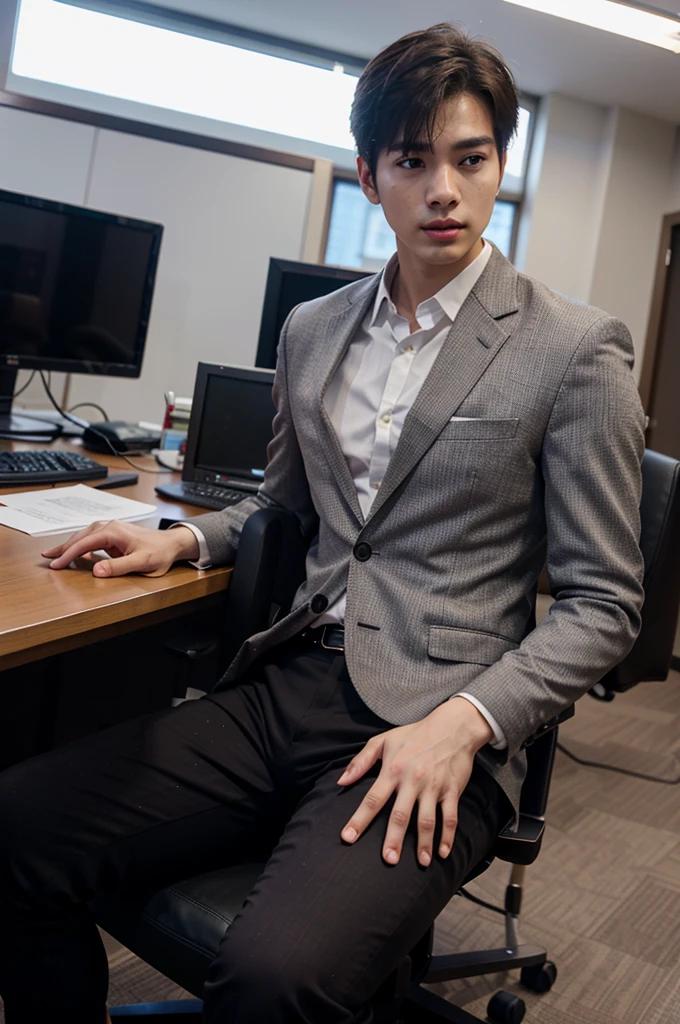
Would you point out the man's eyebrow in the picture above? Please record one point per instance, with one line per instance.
(420, 145)
(475, 142)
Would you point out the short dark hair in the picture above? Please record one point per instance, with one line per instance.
(402, 89)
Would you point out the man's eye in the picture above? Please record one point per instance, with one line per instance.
(474, 160)
(411, 162)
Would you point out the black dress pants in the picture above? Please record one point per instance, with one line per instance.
(198, 787)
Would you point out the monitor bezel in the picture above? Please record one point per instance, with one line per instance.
(268, 341)
(107, 369)
(192, 471)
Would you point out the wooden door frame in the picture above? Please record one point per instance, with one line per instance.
(649, 359)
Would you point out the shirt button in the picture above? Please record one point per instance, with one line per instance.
(363, 551)
(376, 484)
(319, 604)
(387, 417)
(409, 349)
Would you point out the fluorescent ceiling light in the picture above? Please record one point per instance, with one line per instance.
(98, 53)
(610, 16)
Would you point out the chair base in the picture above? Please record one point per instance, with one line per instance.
(181, 1011)
(447, 967)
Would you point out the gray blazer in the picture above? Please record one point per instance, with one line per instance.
(524, 442)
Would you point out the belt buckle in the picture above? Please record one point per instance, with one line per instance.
(328, 647)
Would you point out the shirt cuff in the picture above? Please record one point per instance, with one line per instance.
(204, 561)
(499, 740)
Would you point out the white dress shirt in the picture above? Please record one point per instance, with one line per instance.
(374, 388)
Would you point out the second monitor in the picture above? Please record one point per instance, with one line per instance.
(289, 283)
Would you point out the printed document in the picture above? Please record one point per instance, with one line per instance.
(65, 509)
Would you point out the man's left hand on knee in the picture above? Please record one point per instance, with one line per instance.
(428, 763)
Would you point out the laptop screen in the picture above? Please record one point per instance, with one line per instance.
(235, 424)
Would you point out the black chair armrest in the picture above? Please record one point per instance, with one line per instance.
(523, 845)
(551, 724)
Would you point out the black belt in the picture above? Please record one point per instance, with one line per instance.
(331, 638)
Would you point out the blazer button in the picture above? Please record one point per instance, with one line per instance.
(319, 604)
(363, 551)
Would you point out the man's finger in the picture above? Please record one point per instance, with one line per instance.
(364, 760)
(373, 802)
(427, 819)
(104, 539)
(449, 812)
(59, 548)
(120, 566)
(397, 824)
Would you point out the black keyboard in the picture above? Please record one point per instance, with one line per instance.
(203, 495)
(47, 467)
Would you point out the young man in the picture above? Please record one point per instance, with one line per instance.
(439, 427)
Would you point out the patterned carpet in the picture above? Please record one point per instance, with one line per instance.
(603, 897)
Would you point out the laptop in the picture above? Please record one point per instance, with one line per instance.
(229, 430)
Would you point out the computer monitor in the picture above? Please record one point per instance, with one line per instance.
(231, 424)
(289, 283)
(75, 293)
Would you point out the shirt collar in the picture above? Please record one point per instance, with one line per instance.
(448, 300)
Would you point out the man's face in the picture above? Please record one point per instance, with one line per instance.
(439, 203)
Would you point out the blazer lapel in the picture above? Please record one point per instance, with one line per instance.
(340, 331)
(475, 339)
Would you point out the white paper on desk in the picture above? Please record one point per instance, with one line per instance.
(62, 509)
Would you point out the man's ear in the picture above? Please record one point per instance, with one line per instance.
(366, 182)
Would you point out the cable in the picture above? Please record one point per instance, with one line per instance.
(21, 390)
(481, 903)
(622, 771)
(92, 405)
(79, 423)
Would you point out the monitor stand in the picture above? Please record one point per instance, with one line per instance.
(13, 425)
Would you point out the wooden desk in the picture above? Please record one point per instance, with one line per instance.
(44, 612)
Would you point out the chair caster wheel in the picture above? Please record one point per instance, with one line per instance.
(540, 978)
(505, 1008)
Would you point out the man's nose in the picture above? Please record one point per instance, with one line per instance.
(443, 189)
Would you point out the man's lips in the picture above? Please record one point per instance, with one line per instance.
(443, 230)
(442, 225)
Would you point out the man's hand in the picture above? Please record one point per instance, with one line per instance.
(130, 547)
(428, 762)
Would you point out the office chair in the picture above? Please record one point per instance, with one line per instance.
(178, 929)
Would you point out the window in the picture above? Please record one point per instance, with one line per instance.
(176, 69)
(359, 236)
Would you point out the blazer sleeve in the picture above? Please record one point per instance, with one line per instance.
(591, 466)
(285, 480)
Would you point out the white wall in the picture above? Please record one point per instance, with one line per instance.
(636, 199)
(560, 244)
(44, 156)
(600, 184)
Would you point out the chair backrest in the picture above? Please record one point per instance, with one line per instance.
(269, 568)
(650, 657)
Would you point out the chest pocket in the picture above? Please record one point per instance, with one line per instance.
(478, 429)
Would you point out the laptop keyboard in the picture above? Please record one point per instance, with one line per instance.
(206, 495)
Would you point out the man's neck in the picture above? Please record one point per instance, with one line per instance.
(414, 282)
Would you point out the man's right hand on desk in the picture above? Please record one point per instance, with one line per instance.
(130, 547)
